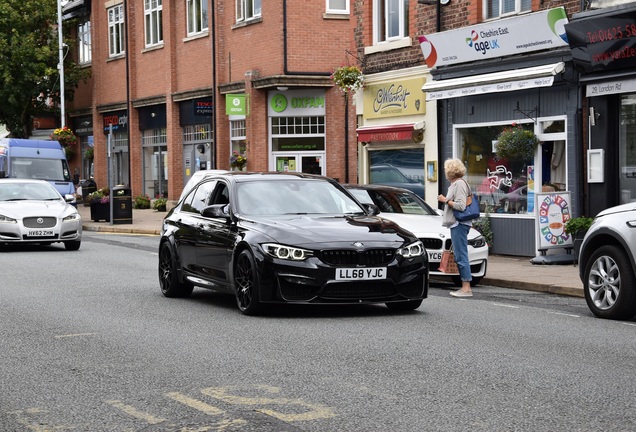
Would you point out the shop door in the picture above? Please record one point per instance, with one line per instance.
(300, 162)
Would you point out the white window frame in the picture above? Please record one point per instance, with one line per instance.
(332, 8)
(247, 10)
(238, 136)
(153, 22)
(116, 46)
(382, 24)
(519, 7)
(84, 55)
(197, 19)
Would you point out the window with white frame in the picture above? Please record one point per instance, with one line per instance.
(116, 31)
(197, 16)
(247, 10)
(499, 8)
(153, 21)
(84, 42)
(338, 6)
(390, 20)
(238, 141)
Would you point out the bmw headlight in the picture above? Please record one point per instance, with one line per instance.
(477, 242)
(413, 250)
(6, 219)
(72, 217)
(286, 252)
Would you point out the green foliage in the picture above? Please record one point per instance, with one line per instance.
(578, 224)
(142, 202)
(348, 78)
(159, 202)
(101, 195)
(30, 55)
(517, 143)
(483, 226)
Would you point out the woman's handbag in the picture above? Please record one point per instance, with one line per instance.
(448, 264)
(470, 212)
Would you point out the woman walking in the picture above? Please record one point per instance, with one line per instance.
(455, 199)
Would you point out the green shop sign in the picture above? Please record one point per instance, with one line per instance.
(235, 104)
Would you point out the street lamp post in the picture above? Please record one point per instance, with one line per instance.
(60, 65)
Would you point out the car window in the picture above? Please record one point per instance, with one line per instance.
(301, 196)
(221, 194)
(198, 199)
(27, 191)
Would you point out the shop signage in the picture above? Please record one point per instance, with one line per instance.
(394, 98)
(235, 104)
(296, 103)
(553, 212)
(496, 38)
(604, 42)
(398, 132)
(491, 88)
(610, 87)
(203, 107)
(118, 119)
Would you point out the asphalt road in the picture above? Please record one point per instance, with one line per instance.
(90, 344)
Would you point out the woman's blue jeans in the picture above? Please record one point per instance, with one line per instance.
(459, 237)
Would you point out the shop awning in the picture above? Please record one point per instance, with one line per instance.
(385, 133)
(510, 80)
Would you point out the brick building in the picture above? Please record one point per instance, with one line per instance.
(164, 71)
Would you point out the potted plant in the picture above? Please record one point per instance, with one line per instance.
(142, 202)
(515, 142)
(159, 204)
(238, 161)
(348, 78)
(577, 227)
(89, 153)
(100, 204)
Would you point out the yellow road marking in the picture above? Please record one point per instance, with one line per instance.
(196, 404)
(75, 335)
(134, 412)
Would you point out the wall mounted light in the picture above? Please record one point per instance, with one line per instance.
(282, 88)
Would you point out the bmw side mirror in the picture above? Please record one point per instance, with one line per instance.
(217, 211)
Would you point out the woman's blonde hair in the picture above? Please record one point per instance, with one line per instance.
(454, 168)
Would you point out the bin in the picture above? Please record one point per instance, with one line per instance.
(122, 205)
(88, 186)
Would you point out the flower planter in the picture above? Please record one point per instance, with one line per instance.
(100, 211)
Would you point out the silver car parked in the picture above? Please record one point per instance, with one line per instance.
(33, 211)
(607, 263)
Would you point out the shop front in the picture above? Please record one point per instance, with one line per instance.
(154, 141)
(486, 88)
(117, 122)
(393, 130)
(296, 123)
(603, 43)
(195, 116)
(83, 127)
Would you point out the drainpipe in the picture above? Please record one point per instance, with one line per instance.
(214, 105)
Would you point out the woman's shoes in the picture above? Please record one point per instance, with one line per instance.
(460, 293)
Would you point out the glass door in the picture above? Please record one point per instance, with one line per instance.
(300, 162)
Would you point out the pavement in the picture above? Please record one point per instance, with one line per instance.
(503, 270)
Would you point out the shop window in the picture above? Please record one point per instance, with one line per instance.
(153, 22)
(197, 16)
(84, 42)
(627, 148)
(338, 6)
(237, 136)
(398, 167)
(500, 8)
(247, 10)
(390, 20)
(507, 186)
(116, 31)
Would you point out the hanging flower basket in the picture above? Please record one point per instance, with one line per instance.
(89, 153)
(65, 136)
(348, 78)
(516, 142)
(238, 160)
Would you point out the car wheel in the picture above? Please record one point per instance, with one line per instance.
(457, 281)
(609, 284)
(72, 245)
(169, 281)
(404, 306)
(246, 283)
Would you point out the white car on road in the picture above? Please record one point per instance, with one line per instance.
(412, 213)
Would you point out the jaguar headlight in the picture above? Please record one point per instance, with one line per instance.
(71, 217)
(286, 252)
(6, 219)
(413, 250)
